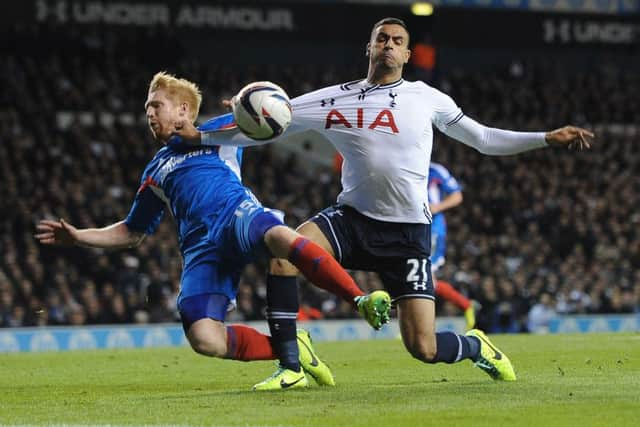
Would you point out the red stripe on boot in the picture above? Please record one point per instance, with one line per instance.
(319, 267)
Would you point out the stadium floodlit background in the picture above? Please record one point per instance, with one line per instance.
(539, 235)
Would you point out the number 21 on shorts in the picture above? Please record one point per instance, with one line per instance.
(418, 273)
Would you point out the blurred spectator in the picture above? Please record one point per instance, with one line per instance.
(541, 314)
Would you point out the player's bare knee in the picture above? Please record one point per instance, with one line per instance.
(208, 347)
(279, 240)
(207, 337)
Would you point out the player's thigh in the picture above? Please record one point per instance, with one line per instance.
(309, 230)
(333, 229)
(408, 279)
(279, 240)
(408, 276)
(416, 318)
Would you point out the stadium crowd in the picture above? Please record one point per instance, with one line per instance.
(539, 234)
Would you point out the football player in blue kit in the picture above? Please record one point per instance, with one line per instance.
(445, 193)
(221, 227)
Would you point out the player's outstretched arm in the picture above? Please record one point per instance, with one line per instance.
(61, 232)
(205, 135)
(221, 130)
(209, 135)
(500, 142)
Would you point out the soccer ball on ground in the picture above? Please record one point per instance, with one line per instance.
(262, 110)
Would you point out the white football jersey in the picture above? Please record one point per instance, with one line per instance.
(385, 135)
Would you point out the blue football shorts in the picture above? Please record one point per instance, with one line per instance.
(209, 283)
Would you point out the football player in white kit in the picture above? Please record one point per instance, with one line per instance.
(382, 125)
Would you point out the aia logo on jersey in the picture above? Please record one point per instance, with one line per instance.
(383, 119)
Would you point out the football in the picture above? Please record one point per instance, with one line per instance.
(262, 110)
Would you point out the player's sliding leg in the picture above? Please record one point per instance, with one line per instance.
(245, 343)
(211, 337)
(417, 326)
(202, 320)
(238, 342)
(309, 256)
(446, 291)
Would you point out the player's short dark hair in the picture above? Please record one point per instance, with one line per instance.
(389, 21)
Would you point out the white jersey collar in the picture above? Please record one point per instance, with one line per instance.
(373, 86)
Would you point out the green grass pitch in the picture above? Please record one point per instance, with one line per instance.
(563, 380)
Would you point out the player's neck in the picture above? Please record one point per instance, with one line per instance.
(161, 141)
(382, 78)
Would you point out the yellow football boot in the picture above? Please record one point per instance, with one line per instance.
(283, 379)
(375, 308)
(493, 361)
(311, 363)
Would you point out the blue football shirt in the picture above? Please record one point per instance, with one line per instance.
(200, 186)
(441, 184)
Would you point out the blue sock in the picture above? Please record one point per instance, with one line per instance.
(282, 310)
(453, 348)
(474, 347)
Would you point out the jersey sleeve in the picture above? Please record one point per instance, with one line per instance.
(450, 119)
(493, 141)
(446, 112)
(146, 211)
(220, 123)
(223, 124)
